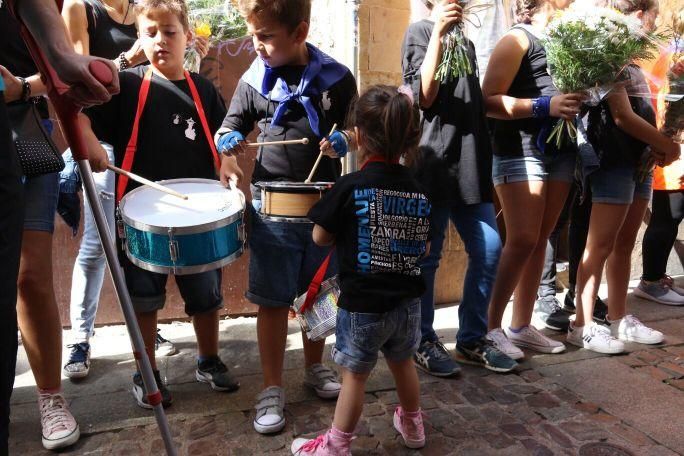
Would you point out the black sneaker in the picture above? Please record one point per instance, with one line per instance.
(484, 353)
(214, 372)
(78, 365)
(434, 358)
(600, 307)
(163, 347)
(140, 393)
(549, 310)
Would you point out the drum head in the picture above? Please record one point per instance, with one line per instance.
(208, 202)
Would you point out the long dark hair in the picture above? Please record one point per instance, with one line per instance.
(389, 121)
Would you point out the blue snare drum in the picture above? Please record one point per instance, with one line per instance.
(166, 234)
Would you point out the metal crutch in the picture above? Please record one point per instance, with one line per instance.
(68, 116)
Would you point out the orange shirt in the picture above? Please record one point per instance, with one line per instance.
(670, 177)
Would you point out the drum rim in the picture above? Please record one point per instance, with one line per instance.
(194, 229)
(264, 185)
(185, 270)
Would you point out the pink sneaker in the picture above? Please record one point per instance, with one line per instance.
(410, 426)
(59, 426)
(326, 444)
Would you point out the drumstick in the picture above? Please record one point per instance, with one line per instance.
(278, 143)
(147, 182)
(318, 160)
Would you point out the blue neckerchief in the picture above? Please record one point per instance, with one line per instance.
(320, 74)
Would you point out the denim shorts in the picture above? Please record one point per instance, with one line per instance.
(541, 167)
(283, 260)
(619, 185)
(200, 292)
(360, 336)
(42, 193)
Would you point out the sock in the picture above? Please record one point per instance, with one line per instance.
(516, 331)
(339, 436)
(201, 359)
(49, 391)
(415, 414)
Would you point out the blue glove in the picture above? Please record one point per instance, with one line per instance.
(339, 143)
(229, 141)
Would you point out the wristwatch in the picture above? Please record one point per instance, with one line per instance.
(123, 62)
(25, 89)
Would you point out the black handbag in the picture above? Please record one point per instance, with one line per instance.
(37, 152)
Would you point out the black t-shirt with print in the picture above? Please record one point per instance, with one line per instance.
(291, 162)
(171, 141)
(380, 218)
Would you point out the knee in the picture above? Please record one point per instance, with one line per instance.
(522, 245)
(32, 281)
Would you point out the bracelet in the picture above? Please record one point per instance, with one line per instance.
(25, 89)
(124, 64)
(541, 107)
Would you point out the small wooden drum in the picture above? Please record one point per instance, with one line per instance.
(165, 234)
(290, 201)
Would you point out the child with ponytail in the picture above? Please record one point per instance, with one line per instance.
(377, 218)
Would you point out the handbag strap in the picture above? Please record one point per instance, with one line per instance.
(132, 146)
(315, 285)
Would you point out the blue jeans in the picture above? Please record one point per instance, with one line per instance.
(89, 269)
(476, 223)
(360, 336)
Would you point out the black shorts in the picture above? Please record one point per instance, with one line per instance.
(201, 292)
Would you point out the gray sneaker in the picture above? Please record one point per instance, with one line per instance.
(659, 292)
(323, 380)
(270, 416)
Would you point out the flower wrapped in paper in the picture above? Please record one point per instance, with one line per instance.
(587, 50)
(215, 21)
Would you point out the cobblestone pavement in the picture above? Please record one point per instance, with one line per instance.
(551, 405)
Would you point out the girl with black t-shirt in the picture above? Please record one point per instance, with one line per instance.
(532, 178)
(378, 219)
(623, 133)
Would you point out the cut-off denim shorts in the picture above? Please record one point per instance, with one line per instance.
(540, 167)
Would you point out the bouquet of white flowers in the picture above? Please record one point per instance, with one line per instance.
(587, 49)
(215, 20)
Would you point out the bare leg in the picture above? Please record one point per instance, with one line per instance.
(206, 330)
(272, 335)
(522, 233)
(408, 385)
(38, 316)
(350, 402)
(618, 265)
(148, 328)
(604, 224)
(313, 351)
(555, 194)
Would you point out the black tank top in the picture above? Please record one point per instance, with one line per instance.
(107, 37)
(615, 147)
(518, 137)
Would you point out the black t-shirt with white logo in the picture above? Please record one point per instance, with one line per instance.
(171, 141)
(380, 218)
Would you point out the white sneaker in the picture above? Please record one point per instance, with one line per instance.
(500, 341)
(60, 429)
(630, 329)
(595, 338)
(669, 281)
(660, 292)
(530, 337)
(323, 380)
(270, 416)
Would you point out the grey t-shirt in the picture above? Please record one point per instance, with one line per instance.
(455, 162)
